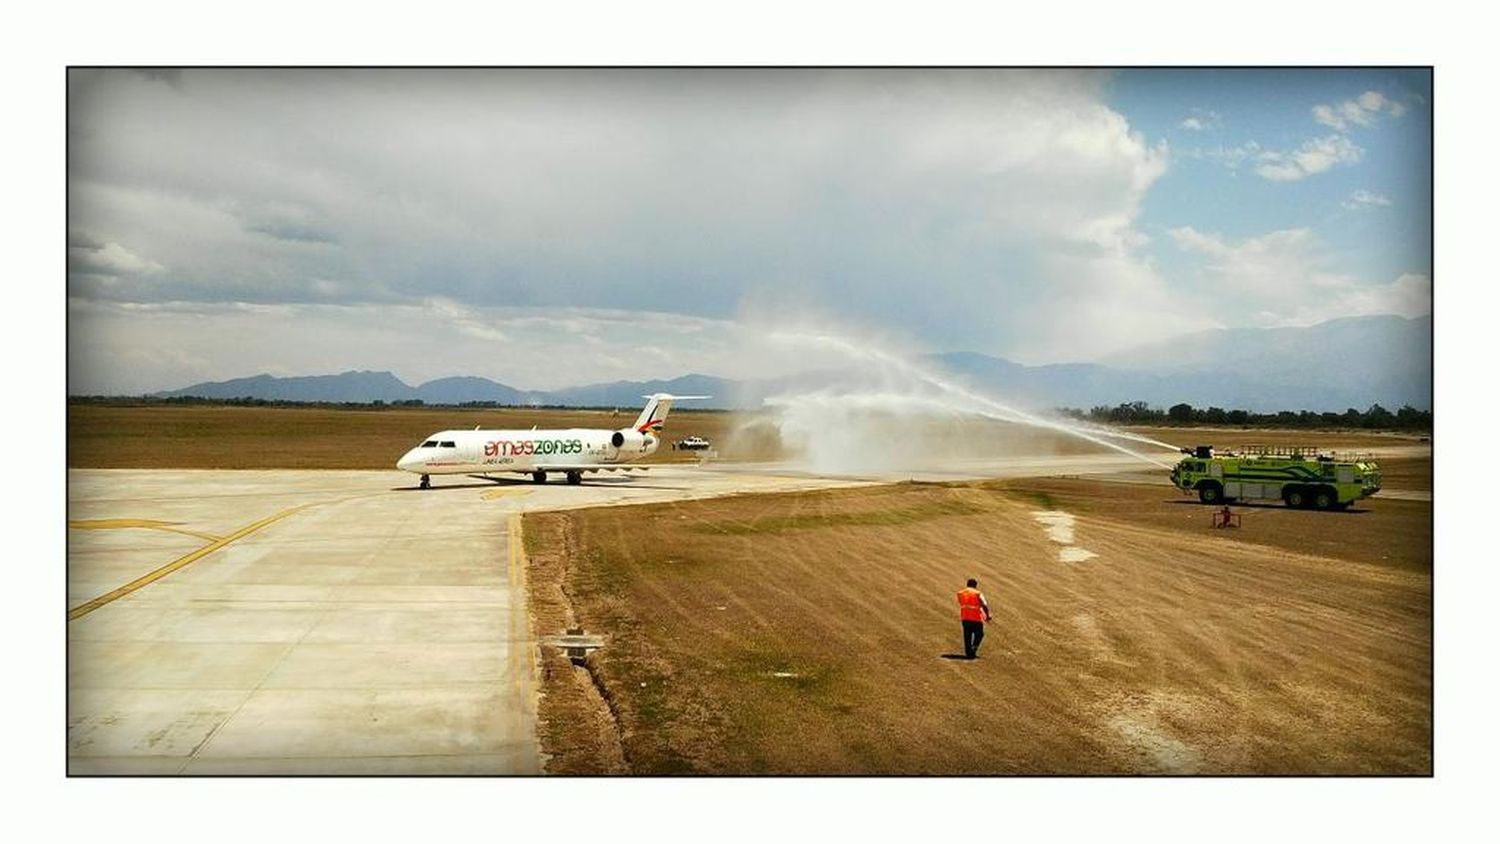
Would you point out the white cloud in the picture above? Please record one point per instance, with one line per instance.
(1230, 156)
(1278, 265)
(1288, 277)
(465, 320)
(1200, 120)
(1320, 154)
(1314, 156)
(953, 203)
(1410, 295)
(1363, 110)
(1363, 199)
(108, 261)
(1102, 307)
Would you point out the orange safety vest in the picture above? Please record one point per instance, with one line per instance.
(969, 608)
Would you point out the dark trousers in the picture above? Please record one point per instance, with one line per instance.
(973, 633)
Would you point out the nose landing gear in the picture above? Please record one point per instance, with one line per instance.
(425, 483)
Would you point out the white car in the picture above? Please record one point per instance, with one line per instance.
(692, 443)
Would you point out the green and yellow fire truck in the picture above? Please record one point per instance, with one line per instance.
(1301, 476)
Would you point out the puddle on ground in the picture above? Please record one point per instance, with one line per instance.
(1059, 525)
(1167, 754)
(1142, 723)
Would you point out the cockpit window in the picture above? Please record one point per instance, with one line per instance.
(429, 444)
(447, 444)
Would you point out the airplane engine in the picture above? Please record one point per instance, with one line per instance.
(627, 441)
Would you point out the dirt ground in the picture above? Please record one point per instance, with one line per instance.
(817, 633)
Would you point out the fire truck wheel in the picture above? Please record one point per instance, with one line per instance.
(1210, 493)
(1324, 498)
(1296, 497)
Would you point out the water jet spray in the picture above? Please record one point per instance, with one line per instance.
(955, 398)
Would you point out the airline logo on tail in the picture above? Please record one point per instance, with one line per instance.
(654, 414)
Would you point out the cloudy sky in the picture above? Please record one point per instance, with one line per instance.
(550, 228)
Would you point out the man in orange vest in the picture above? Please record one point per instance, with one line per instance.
(974, 611)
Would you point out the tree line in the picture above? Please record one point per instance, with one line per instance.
(1407, 418)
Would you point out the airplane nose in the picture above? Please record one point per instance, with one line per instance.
(409, 462)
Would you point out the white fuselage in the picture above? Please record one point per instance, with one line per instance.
(480, 452)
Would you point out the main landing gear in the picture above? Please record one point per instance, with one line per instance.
(538, 477)
(575, 477)
(425, 483)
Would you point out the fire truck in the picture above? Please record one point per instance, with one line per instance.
(1301, 476)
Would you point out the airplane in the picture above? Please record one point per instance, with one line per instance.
(571, 451)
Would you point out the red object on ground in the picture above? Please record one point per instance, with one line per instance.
(1225, 518)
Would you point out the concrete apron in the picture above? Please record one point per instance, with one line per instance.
(376, 631)
(314, 622)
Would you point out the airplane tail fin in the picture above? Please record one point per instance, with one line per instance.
(655, 412)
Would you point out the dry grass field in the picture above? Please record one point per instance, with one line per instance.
(1380, 531)
(220, 437)
(814, 633)
(1352, 440)
(224, 437)
(1410, 473)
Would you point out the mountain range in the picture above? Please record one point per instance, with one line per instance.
(1335, 365)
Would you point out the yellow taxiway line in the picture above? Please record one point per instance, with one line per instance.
(145, 580)
(151, 524)
(501, 493)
